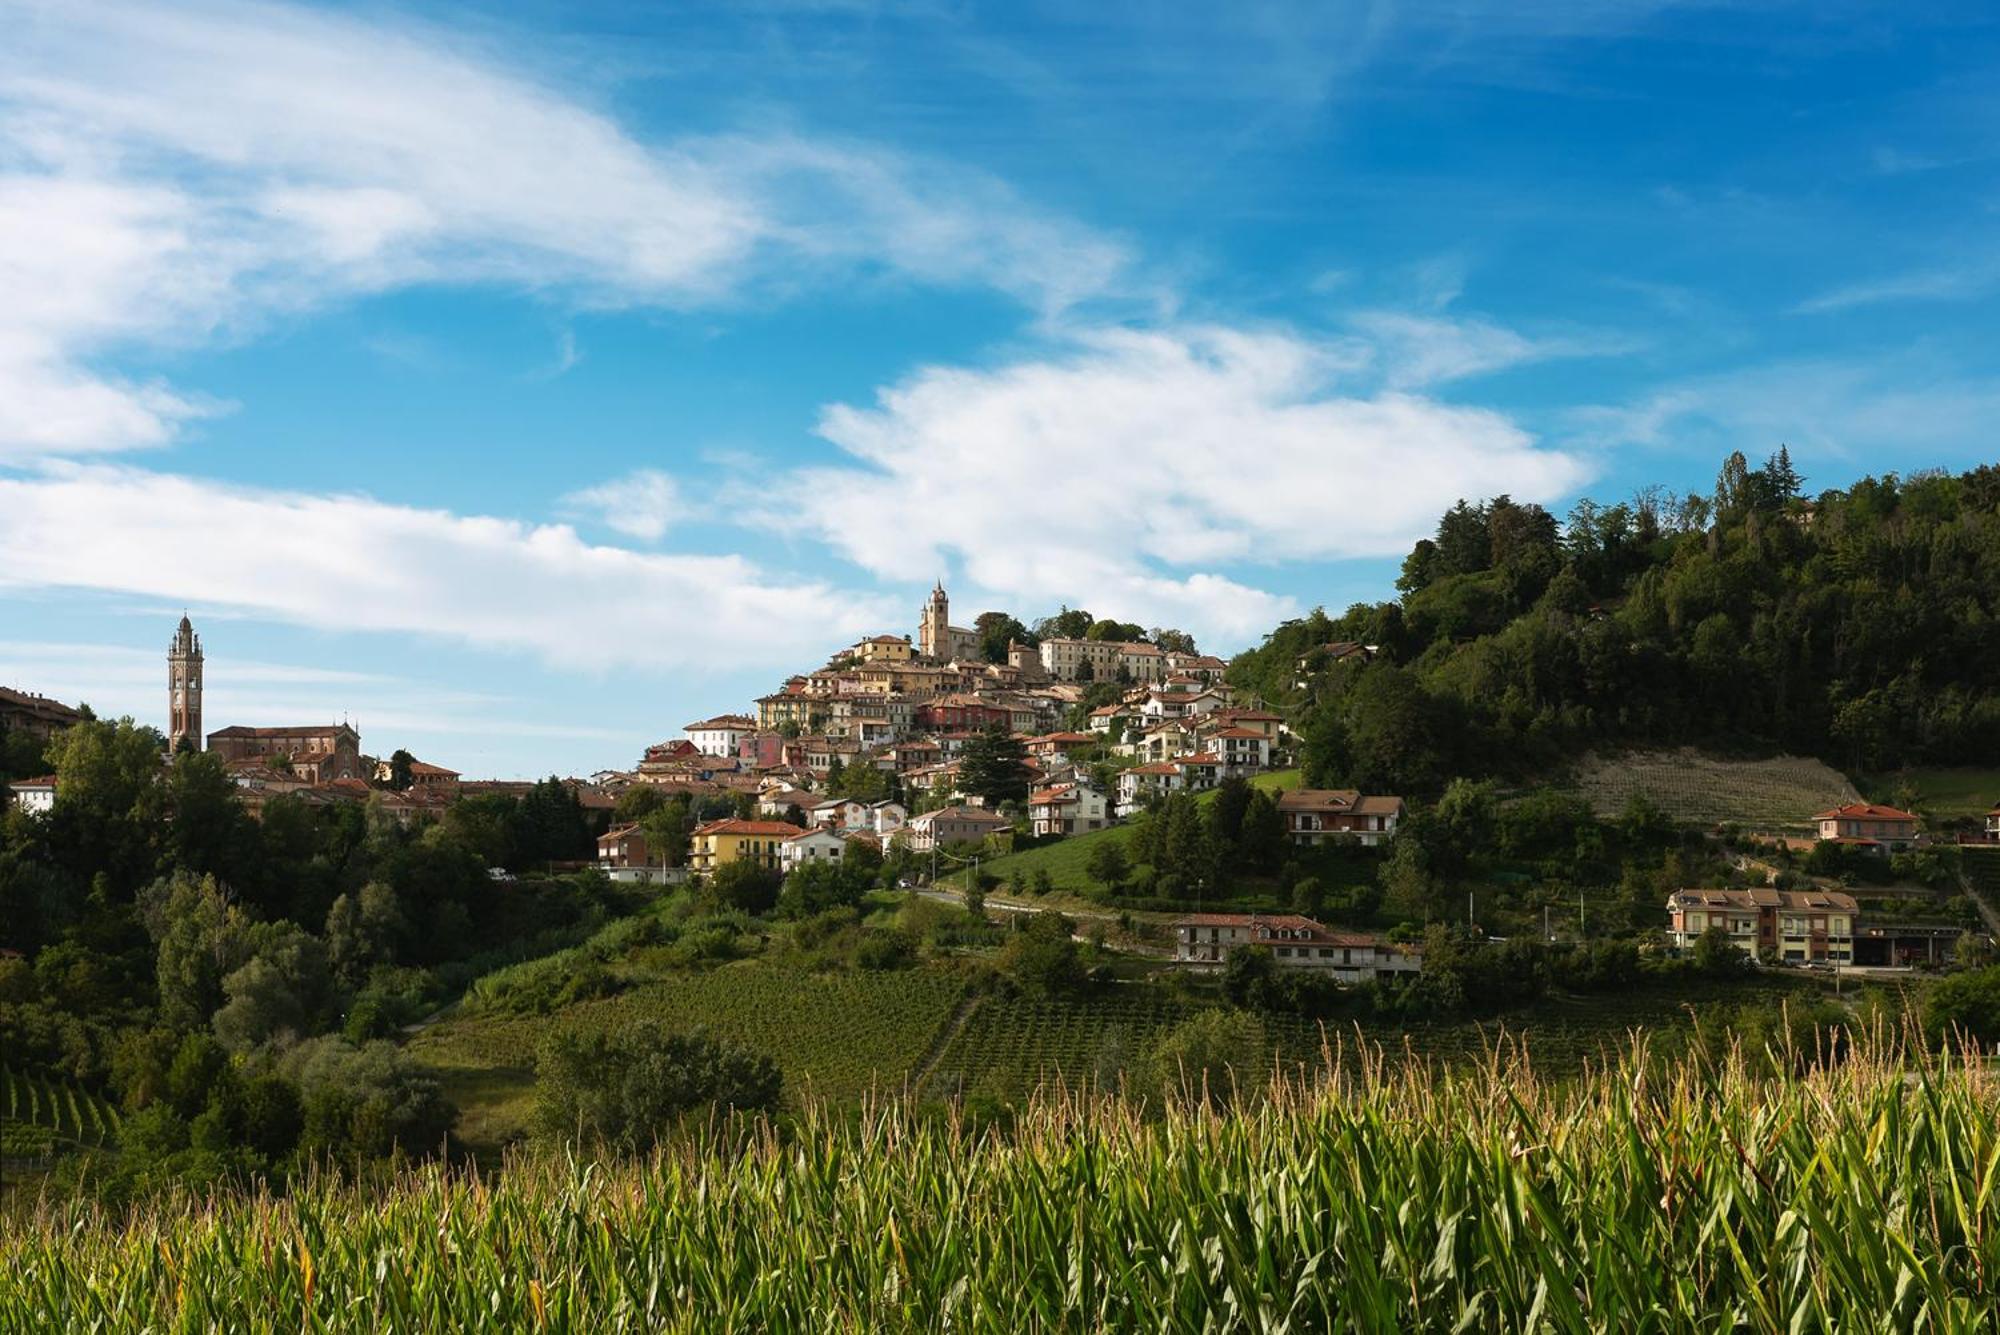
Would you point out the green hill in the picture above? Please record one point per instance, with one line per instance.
(1854, 625)
(1065, 860)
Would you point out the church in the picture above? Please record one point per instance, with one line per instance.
(312, 752)
(937, 638)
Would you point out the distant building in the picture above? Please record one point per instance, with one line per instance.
(37, 797)
(954, 825)
(184, 690)
(807, 846)
(721, 842)
(1791, 926)
(1868, 824)
(1317, 815)
(1065, 809)
(1993, 825)
(937, 638)
(1207, 940)
(35, 714)
(721, 735)
(317, 754)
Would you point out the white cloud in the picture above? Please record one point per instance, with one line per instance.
(349, 563)
(169, 174)
(643, 504)
(1128, 471)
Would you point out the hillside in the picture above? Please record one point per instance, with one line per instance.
(1065, 860)
(1697, 789)
(1854, 625)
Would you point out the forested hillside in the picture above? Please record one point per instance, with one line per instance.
(1858, 625)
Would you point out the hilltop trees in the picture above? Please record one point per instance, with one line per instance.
(1853, 625)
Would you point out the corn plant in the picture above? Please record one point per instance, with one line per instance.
(1362, 1195)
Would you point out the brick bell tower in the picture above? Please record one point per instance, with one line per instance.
(184, 690)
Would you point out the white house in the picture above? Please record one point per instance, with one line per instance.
(37, 797)
(845, 814)
(1142, 782)
(720, 735)
(1067, 808)
(820, 845)
(886, 817)
(1242, 750)
(1204, 941)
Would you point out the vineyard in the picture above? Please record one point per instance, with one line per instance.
(838, 1035)
(43, 1115)
(1696, 789)
(1012, 1045)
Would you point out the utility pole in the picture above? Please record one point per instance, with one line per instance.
(1547, 935)
(1581, 930)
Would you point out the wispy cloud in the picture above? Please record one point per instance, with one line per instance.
(1964, 282)
(643, 504)
(352, 564)
(174, 174)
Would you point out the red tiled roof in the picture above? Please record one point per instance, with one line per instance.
(1866, 811)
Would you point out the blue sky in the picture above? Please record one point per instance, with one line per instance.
(524, 381)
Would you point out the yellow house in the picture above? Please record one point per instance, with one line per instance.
(885, 649)
(809, 713)
(721, 842)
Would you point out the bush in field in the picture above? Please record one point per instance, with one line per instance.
(630, 1088)
(1043, 958)
(1965, 1005)
(1211, 1057)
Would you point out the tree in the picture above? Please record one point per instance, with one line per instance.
(743, 885)
(283, 993)
(629, 1088)
(1068, 624)
(202, 938)
(1212, 1058)
(1172, 641)
(1716, 952)
(993, 766)
(1107, 865)
(366, 1101)
(1043, 957)
(400, 763)
(1964, 1005)
(998, 630)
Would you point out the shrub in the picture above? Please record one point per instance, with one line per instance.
(629, 1088)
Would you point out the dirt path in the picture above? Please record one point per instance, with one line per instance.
(948, 1035)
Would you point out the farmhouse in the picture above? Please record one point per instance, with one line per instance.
(953, 825)
(1790, 926)
(1868, 824)
(1316, 815)
(34, 796)
(816, 845)
(1205, 940)
(1067, 808)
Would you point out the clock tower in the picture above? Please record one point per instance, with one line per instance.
(184, 690)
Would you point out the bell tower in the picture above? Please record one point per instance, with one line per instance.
(184, 690)
(934, 630)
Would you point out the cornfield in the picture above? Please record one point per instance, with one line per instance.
(1372, 1196)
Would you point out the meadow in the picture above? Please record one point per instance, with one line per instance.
(1743, 1193)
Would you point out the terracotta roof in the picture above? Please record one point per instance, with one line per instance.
(1318, 799)
(42, 781)
(808, 834)
(754, 828)
(974, 814)
(1241, 732)
(1764, 897)
(1157, 767)
(1865, 811)
(1278, 922)
(741, 722)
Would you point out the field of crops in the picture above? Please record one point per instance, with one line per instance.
(1702, 790)
(1946, 794)
(836, 1034)
(1695, 1197)
(41, 1115)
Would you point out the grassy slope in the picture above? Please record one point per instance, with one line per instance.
(1702, 790)
(1065, 860)
(1944, 793)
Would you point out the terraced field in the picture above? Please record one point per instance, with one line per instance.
(42, 1115)
(1698, 789)
(834, 1034)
